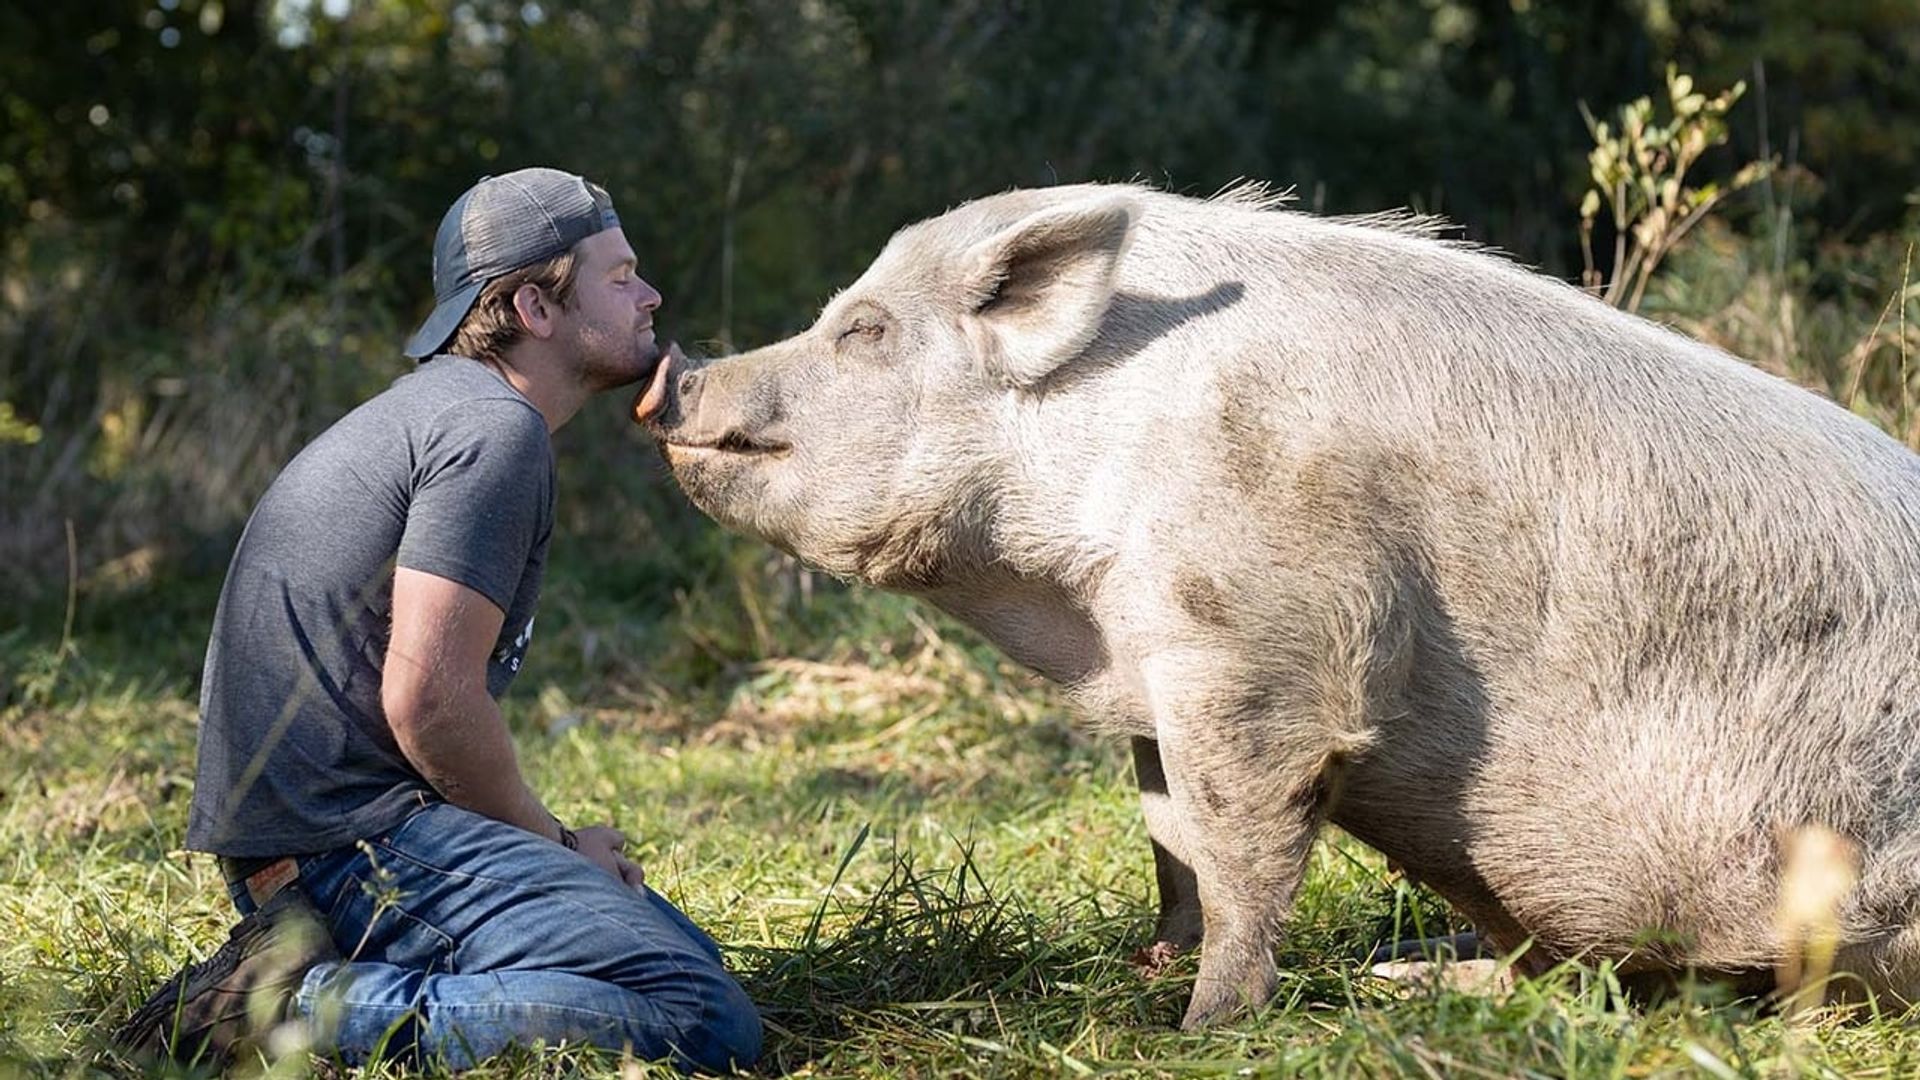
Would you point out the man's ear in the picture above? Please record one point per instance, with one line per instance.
(536, 310)
(1040, 288)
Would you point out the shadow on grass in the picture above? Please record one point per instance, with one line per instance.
(935, 953)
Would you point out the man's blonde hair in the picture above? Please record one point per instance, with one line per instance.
(492, 326)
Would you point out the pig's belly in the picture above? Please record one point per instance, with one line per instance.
(1590, 862)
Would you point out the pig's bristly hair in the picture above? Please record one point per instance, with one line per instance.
(1250, 194)
(1259, 195)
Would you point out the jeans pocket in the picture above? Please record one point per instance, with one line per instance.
(373, 924)
(420, 812)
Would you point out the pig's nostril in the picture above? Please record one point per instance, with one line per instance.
(687, 383)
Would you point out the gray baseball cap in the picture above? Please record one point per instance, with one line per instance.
(498, 226)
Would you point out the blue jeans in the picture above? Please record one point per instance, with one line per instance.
(464, 935)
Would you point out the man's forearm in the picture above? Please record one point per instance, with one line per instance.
(464, 751)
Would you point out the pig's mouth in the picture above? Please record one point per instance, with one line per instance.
(736, 444)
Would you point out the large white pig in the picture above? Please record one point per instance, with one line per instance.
(1572, 617)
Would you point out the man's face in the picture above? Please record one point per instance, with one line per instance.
(611, 314)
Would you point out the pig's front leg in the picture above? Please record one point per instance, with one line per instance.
(1180, 924)
(1245, 780)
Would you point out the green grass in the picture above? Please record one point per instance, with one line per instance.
(916, 864)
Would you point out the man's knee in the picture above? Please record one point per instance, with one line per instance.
(727, 1034)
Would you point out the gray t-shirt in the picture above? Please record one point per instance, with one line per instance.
(449, 471)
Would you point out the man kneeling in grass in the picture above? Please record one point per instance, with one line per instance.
(400, 885)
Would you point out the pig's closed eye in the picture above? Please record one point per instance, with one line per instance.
(864, 331)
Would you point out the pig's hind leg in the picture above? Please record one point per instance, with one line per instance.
(1179, 926)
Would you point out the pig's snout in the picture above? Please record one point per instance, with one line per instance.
(686, 392)
(732, 411)
(670, 395)
(669, 402)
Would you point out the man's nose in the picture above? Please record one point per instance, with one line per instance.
(649, 298)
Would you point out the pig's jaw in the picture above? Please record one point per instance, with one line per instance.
(724, 474)
(725, 478)
(728, 484)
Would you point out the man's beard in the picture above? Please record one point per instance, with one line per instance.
(609, 358)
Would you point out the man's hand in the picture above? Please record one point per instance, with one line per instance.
(602, 845)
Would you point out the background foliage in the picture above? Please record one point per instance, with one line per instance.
(215, 214)
(215, 218)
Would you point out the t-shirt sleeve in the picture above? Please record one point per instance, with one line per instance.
(482, 497)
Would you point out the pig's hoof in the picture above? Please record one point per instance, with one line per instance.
(1208, 1009)
(1153, 961)
(1215, 1002)
(1485, 978)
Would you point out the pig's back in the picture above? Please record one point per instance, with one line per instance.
(1631, 471)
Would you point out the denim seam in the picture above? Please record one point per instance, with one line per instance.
(305, 996)
(511, 1006)
(673, 1035)
(350, 890)
(468, 875)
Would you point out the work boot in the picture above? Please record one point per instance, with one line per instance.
(216, 1007)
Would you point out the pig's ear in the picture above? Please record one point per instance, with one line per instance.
(1040, 288)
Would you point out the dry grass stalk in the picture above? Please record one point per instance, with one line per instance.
(1820, 868)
